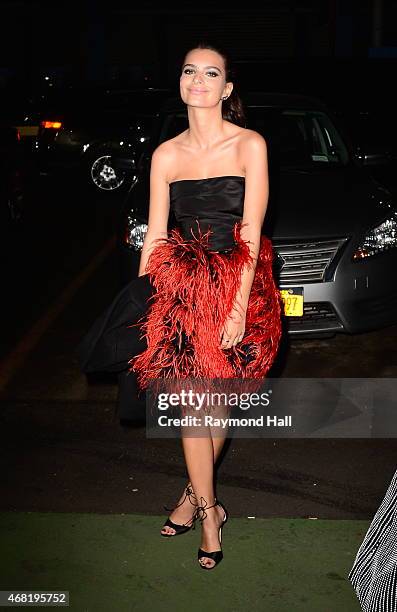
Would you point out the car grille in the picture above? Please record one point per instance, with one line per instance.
(305, 262)
(317, 316)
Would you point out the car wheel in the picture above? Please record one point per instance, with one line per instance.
(102, 174)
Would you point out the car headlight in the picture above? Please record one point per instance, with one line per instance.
(379, 239)
(135, 231)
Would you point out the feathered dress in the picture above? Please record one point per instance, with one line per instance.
(191, 284)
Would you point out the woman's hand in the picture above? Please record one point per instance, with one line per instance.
(234, 328)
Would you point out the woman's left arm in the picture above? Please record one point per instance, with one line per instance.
(255, 205)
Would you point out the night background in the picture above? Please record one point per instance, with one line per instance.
(82, 488)
(345, 45)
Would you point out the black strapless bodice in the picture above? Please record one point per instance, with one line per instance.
(214, 203)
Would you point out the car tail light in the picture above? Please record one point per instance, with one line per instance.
(55, 125)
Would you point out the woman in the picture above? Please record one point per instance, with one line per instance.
(213, 307)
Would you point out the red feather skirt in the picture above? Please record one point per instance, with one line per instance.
(195, 291)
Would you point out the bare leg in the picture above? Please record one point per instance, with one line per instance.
(199, 455)
(185, 511)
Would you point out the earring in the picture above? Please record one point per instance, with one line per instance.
(224, 98)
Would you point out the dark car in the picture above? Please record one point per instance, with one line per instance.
(333, 227)
(96, 135)
(373, 132)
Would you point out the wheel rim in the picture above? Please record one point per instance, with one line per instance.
(103, 174)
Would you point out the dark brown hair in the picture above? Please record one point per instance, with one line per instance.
(232, 108)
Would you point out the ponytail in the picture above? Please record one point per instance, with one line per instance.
(232, 109)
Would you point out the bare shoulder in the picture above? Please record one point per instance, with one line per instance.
(252, 151)
(164, 151)
(169, 147)
(252, 140)
(163, 159)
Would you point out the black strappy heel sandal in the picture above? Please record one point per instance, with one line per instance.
(179, 529)
(216, 555)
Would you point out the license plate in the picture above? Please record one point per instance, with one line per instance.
(293, 301)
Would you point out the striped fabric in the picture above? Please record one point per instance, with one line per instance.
(374, 572)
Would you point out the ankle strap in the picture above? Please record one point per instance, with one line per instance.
(202, 509)
(188, 493)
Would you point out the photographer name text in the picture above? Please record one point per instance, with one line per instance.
(211, 421)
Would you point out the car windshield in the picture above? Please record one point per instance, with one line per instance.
(294, 137)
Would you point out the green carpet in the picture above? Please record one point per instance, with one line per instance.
(117, 563)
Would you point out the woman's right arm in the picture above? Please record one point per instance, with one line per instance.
(159, 204)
